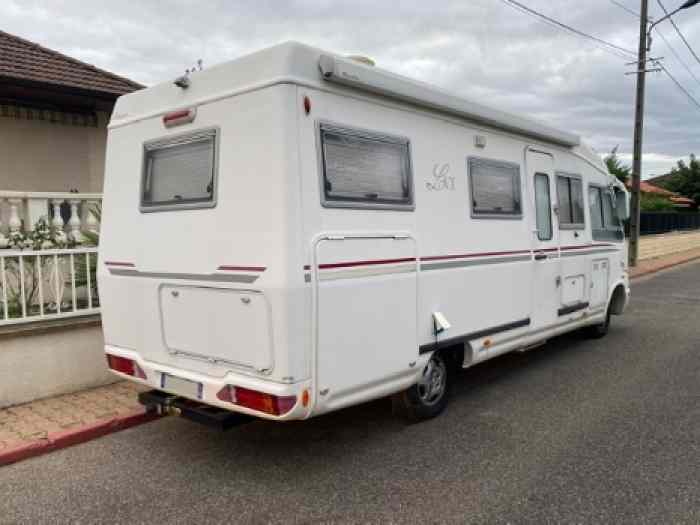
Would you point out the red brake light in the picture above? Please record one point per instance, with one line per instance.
(125, 366)
(267, 403)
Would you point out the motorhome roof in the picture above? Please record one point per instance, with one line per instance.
(292, 62)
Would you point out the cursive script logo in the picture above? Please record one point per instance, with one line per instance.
(441, 179)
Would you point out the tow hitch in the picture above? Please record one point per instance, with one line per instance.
(167, 404)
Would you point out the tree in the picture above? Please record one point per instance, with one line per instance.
(616, 167)
(685, 179)
(652, 202)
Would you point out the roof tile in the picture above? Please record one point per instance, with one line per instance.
(24, 60)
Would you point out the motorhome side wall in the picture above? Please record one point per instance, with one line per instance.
(478, 272)
(254, 224)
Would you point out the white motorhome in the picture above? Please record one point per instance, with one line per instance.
(294, 232)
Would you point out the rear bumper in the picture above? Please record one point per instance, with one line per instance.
(212, 385)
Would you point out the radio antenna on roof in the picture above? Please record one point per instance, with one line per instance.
(184, 80)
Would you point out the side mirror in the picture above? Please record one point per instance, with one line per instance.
(622, 205)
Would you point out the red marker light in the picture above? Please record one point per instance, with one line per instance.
(177, 118)
(125, 366)
(307, 105)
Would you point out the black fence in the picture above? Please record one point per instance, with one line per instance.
(660, 222)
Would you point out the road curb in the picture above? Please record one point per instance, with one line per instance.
(665, 266)
(67, 438)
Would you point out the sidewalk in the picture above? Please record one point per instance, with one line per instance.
(656, 264)
(653, 246)
(40, 426)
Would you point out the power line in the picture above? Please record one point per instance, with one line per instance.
(624, 7)
(612, 47)
(678, 57)
(551, 21)
(692, 51)
(663, 37)
(678, 84)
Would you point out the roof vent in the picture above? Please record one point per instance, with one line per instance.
(362, 60)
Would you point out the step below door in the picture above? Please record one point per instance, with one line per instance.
(366, 316)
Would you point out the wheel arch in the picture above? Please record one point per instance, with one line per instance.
(455, 354)
(618, 299)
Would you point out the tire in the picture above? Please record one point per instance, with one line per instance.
(599, 330)
(427, 398)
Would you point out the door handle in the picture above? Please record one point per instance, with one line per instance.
(540, 256)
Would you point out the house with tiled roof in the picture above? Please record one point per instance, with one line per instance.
(53, 116)
(54, 111)
(676, 199)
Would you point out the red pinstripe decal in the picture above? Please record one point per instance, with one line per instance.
(365, 263)
(243, 268)
(447, 257)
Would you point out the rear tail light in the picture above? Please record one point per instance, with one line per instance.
(254, 400)
(125, 366)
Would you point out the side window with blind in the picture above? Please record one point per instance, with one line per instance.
(570, 194)
(495, 189)
(543, 207)
(180, 172)
(604, 222)
(363, 169)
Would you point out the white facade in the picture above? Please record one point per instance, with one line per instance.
(277, 280)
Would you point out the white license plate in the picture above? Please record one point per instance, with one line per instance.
(180, 386)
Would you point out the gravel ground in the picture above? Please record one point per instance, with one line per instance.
(577, 431)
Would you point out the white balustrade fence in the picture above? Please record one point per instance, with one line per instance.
(20, 211)
(42, 284)
(37, 285)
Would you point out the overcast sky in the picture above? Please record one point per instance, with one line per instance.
(482, 49)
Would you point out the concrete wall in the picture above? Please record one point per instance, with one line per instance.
(39, 155)
(56, 361)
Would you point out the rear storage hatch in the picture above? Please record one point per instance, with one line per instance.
(226, 324)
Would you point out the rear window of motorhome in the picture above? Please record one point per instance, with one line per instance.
(180, 172)
(365, 169)
(604, 222)
(495, 188)
(570, 194)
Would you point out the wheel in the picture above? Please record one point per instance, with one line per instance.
(599, 330)
(427, 398)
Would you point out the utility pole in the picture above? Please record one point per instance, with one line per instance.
(644, 46)
(638, 136)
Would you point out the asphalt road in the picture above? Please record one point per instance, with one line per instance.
(577, 431)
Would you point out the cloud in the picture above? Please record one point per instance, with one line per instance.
(482, 49)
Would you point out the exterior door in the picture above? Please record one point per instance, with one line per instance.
(546, 266)
(367, 292)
